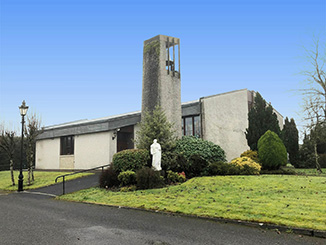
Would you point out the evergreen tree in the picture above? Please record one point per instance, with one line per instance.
(313, 147)
(154, 125)
(306, 153)
(271, 151)
(290, 137)
(260, 119)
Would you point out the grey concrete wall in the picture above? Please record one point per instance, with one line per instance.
(224, 121)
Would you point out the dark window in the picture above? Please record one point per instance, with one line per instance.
(67, 145)
(125, 138)
(191, 126)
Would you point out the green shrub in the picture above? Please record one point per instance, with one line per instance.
(197, 166)
(233, 169)
(272, 152)
(127, 178)
(131, 159)
(128, 188)
(251, 154)
(169, 160)
(322, 160)
(173, 177)
(247, 165)
(237, 167)
(281, 171)
(175, 162)
(147, 178)
(190, 145)
(223, 168)
(307, 158)
(195, 154)
(218, 168)
(182, 177)
(109, 178)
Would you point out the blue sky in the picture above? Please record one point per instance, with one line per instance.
(78, 59)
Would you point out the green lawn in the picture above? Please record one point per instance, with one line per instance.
(295, 201)
(310, 171)
(41, 179)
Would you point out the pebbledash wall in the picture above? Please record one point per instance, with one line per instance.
(223, 121)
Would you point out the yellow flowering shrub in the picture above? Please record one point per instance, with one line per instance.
(246, 165)
(251, 154)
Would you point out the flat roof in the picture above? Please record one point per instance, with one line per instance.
(103, 124)
(106, 123)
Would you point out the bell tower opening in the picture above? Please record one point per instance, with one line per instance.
(173, 56)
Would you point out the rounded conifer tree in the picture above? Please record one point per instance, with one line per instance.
(271, 151)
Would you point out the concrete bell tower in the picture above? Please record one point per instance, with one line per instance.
(162, 79)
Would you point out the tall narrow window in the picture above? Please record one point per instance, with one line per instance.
(189, 126)
(67, 145)
(197, 126)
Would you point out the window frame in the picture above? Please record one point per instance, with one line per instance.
(184, 126)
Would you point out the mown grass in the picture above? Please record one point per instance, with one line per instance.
(295, 201)
(41, 179)
(310, 171)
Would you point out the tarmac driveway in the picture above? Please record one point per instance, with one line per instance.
(29, 218)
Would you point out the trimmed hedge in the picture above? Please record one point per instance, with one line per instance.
(131, 159)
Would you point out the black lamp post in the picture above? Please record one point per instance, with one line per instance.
(23, 110)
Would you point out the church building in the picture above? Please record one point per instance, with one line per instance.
(221, 118)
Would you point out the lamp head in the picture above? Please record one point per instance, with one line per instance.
(23, 108)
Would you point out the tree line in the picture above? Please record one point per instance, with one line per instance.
(261, 117)
(10, 148)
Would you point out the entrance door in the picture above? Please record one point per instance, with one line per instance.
(125, 138)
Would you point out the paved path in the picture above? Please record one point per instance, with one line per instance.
(37, 219)
(70, 186)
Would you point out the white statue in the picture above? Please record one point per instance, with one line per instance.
(156, 153)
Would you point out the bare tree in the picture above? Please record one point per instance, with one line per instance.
(317, 130)
(315, 92)
(315, 96)
(32, 130)
(8, 144)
